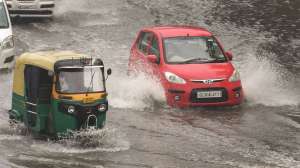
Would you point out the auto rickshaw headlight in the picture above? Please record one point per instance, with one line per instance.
(102, 107)
(71, 109)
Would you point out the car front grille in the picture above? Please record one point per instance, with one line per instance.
(194, 99)
(208, 81)
(9, 59)
(48, 6)
(20, 12)
(26, 0)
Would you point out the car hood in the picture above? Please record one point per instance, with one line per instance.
(202, 71)
(4, 33)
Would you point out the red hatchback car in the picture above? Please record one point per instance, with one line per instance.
(191, 64)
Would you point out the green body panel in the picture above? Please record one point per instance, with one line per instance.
(49, 119)
(19, 113)
(18, 107)
(42, 116)
(63, 121)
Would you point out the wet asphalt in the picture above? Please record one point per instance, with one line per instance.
(141, 131)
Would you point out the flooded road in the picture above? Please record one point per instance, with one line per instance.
(141, 130)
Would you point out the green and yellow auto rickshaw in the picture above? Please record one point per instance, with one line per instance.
(54, 92)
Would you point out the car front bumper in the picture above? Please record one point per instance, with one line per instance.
(185, 95)
(34, 8)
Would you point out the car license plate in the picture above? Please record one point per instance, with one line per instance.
(26, 6)
(209, 94)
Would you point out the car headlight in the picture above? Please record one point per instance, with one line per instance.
(8, 43)
(235, 76)
(71, 109)
(174, 78)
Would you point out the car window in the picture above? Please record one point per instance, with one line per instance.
(144, 41)
(3, 16)
(154, 49)
(192, 50)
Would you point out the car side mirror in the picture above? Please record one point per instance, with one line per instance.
(228, 55)
(152, 58)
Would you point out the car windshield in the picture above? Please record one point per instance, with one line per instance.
(80, 80)
(185, 50)
(3, 16)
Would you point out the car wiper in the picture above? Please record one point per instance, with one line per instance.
(217, 60)
(195, 60)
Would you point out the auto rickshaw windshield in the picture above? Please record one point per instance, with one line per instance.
(86, 79)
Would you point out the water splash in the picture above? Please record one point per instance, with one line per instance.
(267, 83)
(13, 129)
(84, 141)
(137, 92)
(98, 140)
(9, 137)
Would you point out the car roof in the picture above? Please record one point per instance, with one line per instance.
(179, 30)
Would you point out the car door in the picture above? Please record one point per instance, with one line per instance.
(139, 52)
(154, 49)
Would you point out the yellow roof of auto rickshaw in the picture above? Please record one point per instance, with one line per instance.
(45, 60)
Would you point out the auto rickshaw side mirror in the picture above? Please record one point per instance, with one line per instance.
(109, 71)
(229, 55)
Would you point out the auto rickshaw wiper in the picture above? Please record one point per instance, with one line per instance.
(92, 79)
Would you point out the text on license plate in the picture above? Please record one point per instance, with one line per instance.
(209, 94)
(26, 6)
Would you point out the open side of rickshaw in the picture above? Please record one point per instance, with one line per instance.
(57, 92)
